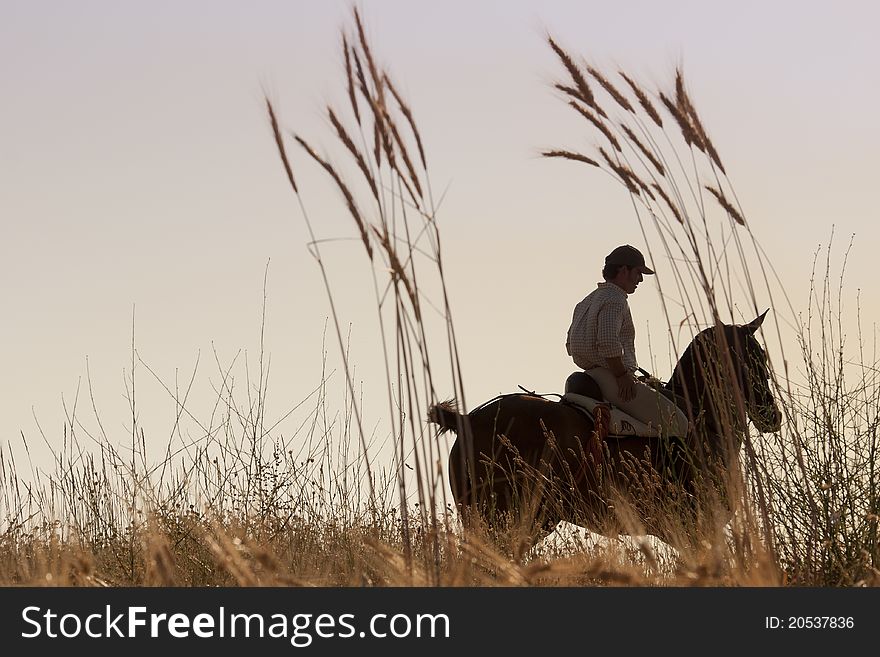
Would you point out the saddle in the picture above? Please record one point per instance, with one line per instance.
(582, 392)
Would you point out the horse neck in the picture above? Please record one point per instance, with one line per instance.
(690, 380)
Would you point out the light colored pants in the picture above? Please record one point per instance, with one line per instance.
(647, 405)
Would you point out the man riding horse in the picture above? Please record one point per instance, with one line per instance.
(526, 458)
(601, 341)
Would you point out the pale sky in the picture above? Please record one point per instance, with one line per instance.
(137, 170)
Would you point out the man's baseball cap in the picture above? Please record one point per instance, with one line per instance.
(629, 256)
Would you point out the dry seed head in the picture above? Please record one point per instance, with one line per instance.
(349, 144)
(409, 117)
(584, 92)
(722, 200)
(643, 100)
(612, 91)
(350, 78)
(640, 182)
(386, 125)
(377, 145)
(568, 91)
(635, 178)
(409, 190)
(669, 202)
(686, 109)
(569, 155)
(349, 199)
(681, 98)
(710, 148)
(380, 134)
(359, 71)
(362, 85)
(596, 121)
(647, 153)
(685, 105)
(279, 142)
(622, 172)
(687, 130)
(371, 64)
(401, 147)
(380, 129)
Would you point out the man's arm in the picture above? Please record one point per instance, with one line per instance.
(610, 320)
(608, 323)
(615, 364)
(626, 381)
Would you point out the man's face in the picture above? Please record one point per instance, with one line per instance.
(629, 278)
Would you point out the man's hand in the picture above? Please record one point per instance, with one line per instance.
(626, 386)
(650, 381)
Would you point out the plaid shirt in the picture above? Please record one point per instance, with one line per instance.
(602, 327)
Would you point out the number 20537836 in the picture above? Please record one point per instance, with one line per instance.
(809, 622)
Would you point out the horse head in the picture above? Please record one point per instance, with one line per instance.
(725, 374)
(760, 404)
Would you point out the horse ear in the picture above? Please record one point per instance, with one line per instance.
(755, 324)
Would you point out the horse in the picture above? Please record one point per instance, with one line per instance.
(524, 458)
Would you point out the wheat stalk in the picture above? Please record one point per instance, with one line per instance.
(350, 79)
(349, 199)
(407, 113)
(611, 89)
(625, 174)
(280, 143)
(596, 121)
(684, 103)
(380, 128)
(358, 157)
(645, 151)
(569, 155)
(371, 64)
(404, 153)
(585, 94)
(669, 202)
(683, 121)
(569, 91)
(643, 100)
(722, 200)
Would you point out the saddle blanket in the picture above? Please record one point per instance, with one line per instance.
(622, 424)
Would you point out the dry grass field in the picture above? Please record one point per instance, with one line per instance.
(244, 507)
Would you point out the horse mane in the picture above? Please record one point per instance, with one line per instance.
(699, 351)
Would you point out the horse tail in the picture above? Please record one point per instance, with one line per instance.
(445, 415)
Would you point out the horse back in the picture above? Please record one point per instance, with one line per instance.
(526, 427)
